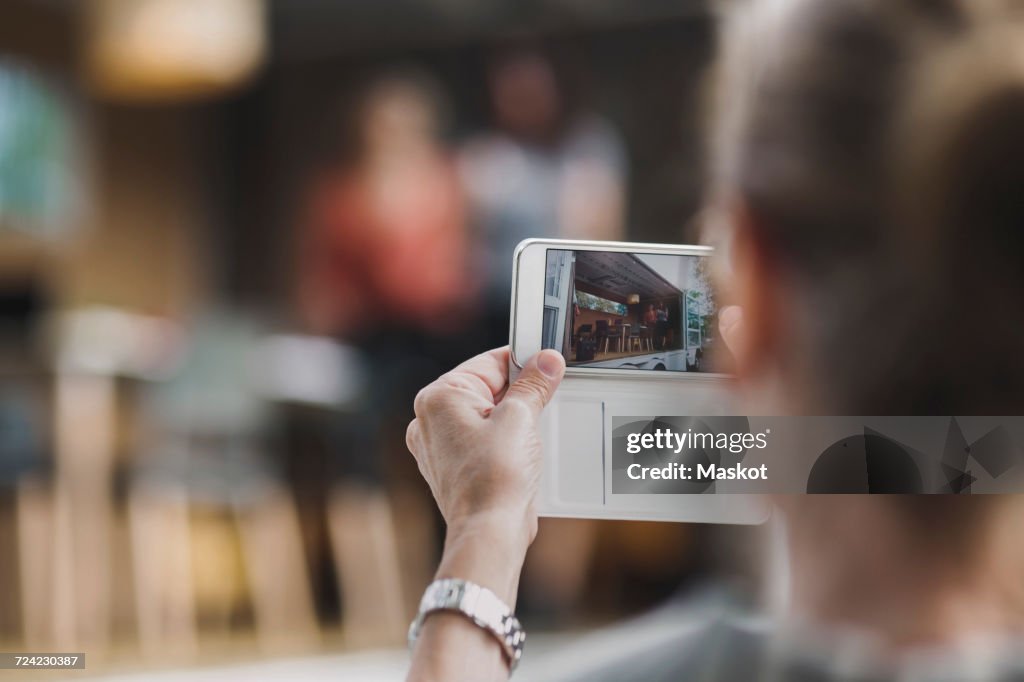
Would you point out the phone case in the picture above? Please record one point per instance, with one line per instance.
(578, 432)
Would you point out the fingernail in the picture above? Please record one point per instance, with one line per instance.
(550, 363)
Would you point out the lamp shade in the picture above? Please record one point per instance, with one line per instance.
(167, 49)
(633, 299)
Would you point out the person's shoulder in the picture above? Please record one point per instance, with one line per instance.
(671, 643)
(593, 135)
(714, 640)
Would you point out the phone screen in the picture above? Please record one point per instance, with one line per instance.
(619, 310)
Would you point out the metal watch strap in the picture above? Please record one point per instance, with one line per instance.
(480, 605)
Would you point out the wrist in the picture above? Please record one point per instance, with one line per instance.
(488, 549)
(512, 530)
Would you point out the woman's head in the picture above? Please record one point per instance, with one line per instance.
(399, 112)
(866, 162)
(866, 167)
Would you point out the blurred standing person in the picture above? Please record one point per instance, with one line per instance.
(661, 315)
(383, 267)
(548, 169)
(650, 320)
(650, 315)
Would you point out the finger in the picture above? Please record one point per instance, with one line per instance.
(730, 325)
(490, 367)
(537, 382)
(452, 391)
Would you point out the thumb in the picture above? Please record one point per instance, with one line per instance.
(537, 382)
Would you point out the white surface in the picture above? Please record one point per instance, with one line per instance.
(549, 657)
(375, 666)
(389, 665)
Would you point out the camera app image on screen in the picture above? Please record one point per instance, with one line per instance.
(617, 310)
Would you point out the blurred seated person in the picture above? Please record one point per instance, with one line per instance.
(866, 176)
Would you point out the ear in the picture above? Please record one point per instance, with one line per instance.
(757, 286)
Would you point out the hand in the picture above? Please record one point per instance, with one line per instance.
(476, 443)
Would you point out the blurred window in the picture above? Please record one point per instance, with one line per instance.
(35, 154)
(601, 305)
(552, 279)
(550, 328)
(694, 320)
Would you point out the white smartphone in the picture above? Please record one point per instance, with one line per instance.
(637, 325)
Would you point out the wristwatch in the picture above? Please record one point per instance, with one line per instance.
(478, 604)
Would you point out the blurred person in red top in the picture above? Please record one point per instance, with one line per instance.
(386, 243)
(383, 258)
(650, 317)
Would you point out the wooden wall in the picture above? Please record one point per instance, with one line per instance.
(592, 316)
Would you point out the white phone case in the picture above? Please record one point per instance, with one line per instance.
(576, 431)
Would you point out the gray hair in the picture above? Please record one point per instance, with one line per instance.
(879, 144)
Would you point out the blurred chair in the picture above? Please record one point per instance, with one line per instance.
(583, 331)
(95, 348)
(366, 554)
(635, 339)
(617, 334)
(65, 579)
(647, 337)
(26, 528)
(363, 522)
(162, 569)
(26, 500)
(601, 334)
(210, 430)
